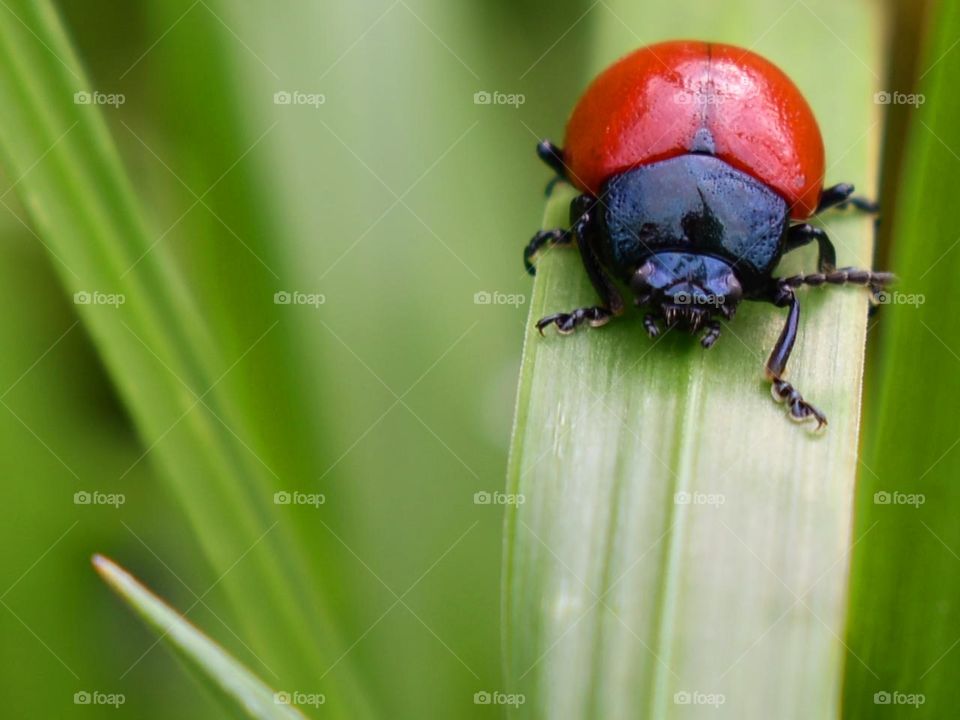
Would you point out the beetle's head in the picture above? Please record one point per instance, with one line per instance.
(687, 289)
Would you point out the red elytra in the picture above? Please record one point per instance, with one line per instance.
(684, 96)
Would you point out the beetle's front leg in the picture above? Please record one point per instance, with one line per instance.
(582, 210)
(776, 366)
(566, 323)
(544, 238)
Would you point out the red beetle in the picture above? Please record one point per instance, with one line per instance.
(697, 163)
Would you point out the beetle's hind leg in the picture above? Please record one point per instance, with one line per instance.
(841, 196)
(776, 366)
(611, 301)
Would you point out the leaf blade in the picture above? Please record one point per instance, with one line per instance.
(903, 634)
(616, 599)
(244, 692)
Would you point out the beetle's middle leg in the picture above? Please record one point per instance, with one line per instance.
(800, 235)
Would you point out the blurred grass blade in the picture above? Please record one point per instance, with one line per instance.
(157, 346)
(244, 693)
(904, 645)
(681, 543)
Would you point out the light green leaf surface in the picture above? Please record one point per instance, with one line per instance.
(243, 692)
(682, 549)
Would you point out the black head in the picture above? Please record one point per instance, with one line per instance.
(687, 289)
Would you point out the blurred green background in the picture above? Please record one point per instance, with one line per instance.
(398, 199)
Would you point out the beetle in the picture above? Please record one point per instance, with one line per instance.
(698, 165)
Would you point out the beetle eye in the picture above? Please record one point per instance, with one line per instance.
(650, 276)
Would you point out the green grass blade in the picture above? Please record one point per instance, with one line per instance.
(242, 691)
(681, 542)
(157, 346)
(904, 644)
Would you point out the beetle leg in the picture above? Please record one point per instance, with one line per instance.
(711, 335)
(800, 235)
(650, 325)
(876, 281)
(541, 239)
(776, 366)
(567, 322)
(552, 156)
(581, 210)
(839, 196)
